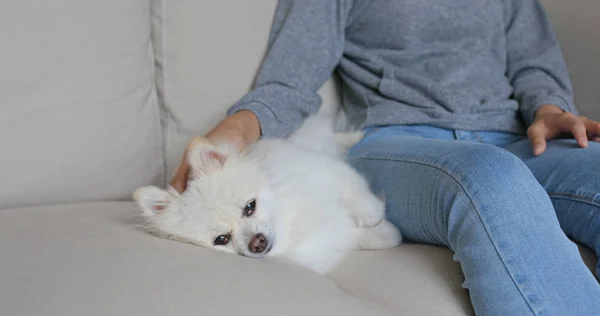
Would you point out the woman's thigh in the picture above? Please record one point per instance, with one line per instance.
(429, 182)
(571, 176)
(484, 203)
(564, 169)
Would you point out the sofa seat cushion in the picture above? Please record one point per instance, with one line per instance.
(88, 259)
(410, 279)
(413, 279)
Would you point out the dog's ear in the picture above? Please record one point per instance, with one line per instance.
(152, 200)
(205, 157)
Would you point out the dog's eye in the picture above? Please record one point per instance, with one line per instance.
(249, 208)
(222, 240)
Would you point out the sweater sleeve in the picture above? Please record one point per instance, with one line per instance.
(305, 46)
(535, 64)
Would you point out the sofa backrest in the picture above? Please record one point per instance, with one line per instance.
(207, 54)
(85, 115)
(577, 25)
(210, 51)
(78, 112)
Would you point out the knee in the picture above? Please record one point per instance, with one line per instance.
(485, 165)
(470, 164)
(463, 181)
(500, 187)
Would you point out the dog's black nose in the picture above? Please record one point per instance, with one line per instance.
(258, 243)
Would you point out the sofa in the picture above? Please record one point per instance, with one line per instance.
(98, 98)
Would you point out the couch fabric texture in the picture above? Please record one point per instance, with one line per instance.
(79, 114)
(100, 97)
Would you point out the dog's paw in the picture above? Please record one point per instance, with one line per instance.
(369, 212)
(368, 219)
(383, 236)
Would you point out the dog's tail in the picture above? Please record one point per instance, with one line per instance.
(346, 135)
(321, 133)
(346, 140)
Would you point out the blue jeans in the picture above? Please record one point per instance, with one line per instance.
(505, 214)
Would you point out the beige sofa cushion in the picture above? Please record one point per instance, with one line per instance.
(413, 279)
(78, 113)
(207, 56)
(410, 279)
(86, 259)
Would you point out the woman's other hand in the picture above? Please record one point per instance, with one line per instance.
(551, 122)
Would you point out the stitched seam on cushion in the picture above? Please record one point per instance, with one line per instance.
(377, 157)
(575, 197)
(158, 13)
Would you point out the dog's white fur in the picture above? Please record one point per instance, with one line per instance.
(310, 205)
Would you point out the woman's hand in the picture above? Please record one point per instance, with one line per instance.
(552, 122)
(241, 129)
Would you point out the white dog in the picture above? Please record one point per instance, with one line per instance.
(294, 198)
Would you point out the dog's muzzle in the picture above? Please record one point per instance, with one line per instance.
(259, 245)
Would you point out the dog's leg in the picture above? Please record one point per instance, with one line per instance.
(367, 209)
(383, 236)
(316, 134)
(364, 207)
(346, 140)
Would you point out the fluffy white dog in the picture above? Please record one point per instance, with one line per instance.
(294, 198)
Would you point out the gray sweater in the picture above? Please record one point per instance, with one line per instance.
(459, 64)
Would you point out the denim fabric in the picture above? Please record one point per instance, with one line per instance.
(498, 208)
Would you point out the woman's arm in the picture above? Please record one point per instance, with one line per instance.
(540, 78)
(535, 64)
(305, 45)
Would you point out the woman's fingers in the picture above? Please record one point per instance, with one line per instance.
(579, 131)
(537, 134)
(592, 127)
(550, 127)
(180, 178)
